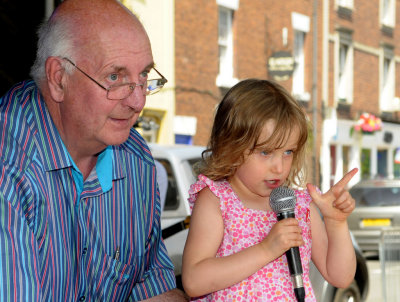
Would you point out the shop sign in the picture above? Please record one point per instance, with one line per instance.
(280, 65)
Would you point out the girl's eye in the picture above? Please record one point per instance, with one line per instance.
(265, 152)
(289, 152)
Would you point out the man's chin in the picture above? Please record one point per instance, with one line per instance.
(118, 139)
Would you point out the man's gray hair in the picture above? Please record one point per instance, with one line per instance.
(55, 38)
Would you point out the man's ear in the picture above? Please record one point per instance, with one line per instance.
(55, 73)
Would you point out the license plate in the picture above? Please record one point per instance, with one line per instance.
(376, 222)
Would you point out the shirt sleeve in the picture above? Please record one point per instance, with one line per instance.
(19, 277)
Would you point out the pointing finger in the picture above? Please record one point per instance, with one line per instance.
(341, 184)
(313, 192)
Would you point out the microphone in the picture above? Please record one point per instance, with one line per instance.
(283, 202)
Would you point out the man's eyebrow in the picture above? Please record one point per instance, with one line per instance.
(150, 66)
(117, 68)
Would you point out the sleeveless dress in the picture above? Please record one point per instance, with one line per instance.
(245, 227)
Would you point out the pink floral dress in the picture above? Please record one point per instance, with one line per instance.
(245, 227)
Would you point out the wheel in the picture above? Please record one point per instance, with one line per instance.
(348, 294)
(179, 282)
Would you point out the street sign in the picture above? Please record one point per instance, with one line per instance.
(281, 65)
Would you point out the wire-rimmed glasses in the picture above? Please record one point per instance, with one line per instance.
(123, 91)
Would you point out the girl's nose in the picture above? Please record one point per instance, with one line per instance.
(277, 164)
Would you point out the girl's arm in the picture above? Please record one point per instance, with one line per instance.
(203, 272)
(332, 248)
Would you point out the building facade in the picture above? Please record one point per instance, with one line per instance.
(339, 58)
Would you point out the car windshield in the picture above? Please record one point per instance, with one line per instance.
(376, 196)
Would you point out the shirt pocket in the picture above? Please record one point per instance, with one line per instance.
(115, 279)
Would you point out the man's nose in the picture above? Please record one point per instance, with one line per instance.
(137, 99)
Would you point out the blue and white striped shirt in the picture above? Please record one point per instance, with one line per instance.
(62, 239)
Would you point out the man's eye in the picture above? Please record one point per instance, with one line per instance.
(144, 74)
(114, 77)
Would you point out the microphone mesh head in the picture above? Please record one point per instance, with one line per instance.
(281, 199)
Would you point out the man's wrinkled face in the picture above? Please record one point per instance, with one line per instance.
(87, 113)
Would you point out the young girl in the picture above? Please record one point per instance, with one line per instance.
(235, 249)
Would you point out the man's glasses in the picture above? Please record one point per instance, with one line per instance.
(123, 91)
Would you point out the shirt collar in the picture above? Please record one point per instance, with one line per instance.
(56, 156)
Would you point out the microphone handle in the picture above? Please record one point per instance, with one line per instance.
(292, 254)
(294, 262)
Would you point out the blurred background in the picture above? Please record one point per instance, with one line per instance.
(339, 58)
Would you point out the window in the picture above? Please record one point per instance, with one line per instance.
(172, 194)
(345, 3)
(387, 101)
(225, 47)
(333, 164)
(396, 162)
(345, 70)
(388, 8)
(382, 159)
(298, 73)
(365, 163)
(301, 26)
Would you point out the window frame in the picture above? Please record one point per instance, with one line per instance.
(225, 77)
(388, 13)
(344, 73)
(388, 81)
(349, 4)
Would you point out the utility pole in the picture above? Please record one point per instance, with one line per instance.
(314, 90)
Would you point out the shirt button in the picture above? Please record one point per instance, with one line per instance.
(82, 298)
(84, 252)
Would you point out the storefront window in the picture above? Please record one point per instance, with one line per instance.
(365, 163)
(382, 163)
(346, 159)
(396, 164)
(333, 164)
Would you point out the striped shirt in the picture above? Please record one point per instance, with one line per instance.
(65, 239)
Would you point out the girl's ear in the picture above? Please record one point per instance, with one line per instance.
(55, 73)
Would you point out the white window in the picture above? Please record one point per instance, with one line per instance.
(301, 26)
(387, 100)
(345, 3)
(298, 73)
(345, 70)
(388, 9)
(225, 40)
(225, 47)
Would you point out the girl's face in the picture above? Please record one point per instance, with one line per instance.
(264, 170)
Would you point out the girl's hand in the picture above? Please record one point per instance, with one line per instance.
(336, 204)
(283, 235)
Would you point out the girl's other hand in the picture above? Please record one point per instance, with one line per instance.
(336, 204)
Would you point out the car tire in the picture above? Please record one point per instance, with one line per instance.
(350, 293)
(179, 282)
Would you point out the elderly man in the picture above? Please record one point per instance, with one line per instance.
(79, 204)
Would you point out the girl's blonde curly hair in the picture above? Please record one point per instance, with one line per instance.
(239, 120)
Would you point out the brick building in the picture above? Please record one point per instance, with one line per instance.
(346, 64)
(352, 67)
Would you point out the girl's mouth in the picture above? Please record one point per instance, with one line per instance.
(273, 183)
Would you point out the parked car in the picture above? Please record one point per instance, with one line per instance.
(178, 161)
(377, 208)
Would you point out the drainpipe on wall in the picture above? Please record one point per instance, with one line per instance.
(314, 90)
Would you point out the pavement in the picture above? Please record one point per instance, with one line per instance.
(392, 280)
